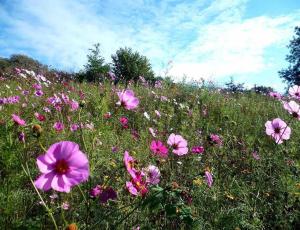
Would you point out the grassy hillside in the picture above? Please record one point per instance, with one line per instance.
(255, 181)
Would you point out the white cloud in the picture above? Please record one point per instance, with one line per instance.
(203, 38)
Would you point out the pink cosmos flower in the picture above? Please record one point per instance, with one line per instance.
(18, 120)
(37, 86)
(127, 99)
(74, 105)
(131, 188)
(152, 175)
(21, 137)
(178, 143)
(58, 126)
(255, 155)
(215, 139)
(157, 113)
(129, 162)
(137, 185)
(295, 91)
(151, 130)
(95, 192)
(124, 122)
(208, 178)
(107, 115)
(39, 93)
(293, 108)
(198, 149)
(62, 166)
(39, 116)
(74, 127)
(65, 205)
(157, 147)
(275, 95)
(278, 130)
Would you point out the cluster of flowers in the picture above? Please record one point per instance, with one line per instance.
(277, 128)
(9, 100)
(57, 102)
(140, 179)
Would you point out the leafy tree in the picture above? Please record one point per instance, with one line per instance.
(21, 61)
(128, 65)
(233, 87)
(95, 69)
(262, 89)
(291, 75)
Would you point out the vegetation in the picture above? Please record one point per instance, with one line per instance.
(242, 180)
(292, 74)
(128, 65)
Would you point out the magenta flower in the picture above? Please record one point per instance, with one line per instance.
(124, 122)
(198, 149)
(21, 137)
(295, 91)
(108, 194)
(18, 120)
(137, 185)
(74, 127)
(208, 178)
(38, 93)
(62, 166)
(96, 191)
(58, 126)
(127, 99)
(215, 139)
(178, 143)
(158, 148)
(278, 130)
(39, 116)
(293, 108)
(152, 175)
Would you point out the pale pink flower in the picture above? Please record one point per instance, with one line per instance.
(278, 130)
(178, 143)
(157, 113)
(208, 178)
(151, 130)
(293, 108)
(295, 91)
(275, 95)
(152, 174)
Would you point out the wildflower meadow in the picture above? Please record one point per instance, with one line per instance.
(135, 156)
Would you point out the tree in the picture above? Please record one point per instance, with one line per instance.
(233, 87)
(128, 65)
(291, 75)
(95, 69)
(262, 89)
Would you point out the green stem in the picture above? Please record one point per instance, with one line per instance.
(27, 172)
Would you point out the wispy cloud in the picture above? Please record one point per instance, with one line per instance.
(203, 38)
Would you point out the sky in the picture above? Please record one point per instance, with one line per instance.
(208, 39)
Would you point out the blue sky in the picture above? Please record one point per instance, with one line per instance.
(214, 40)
